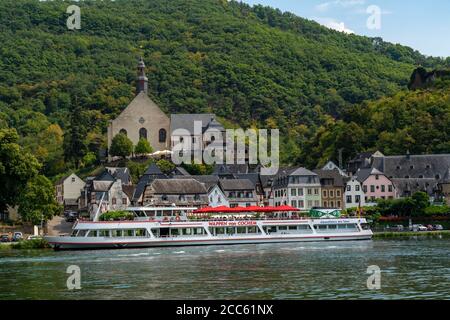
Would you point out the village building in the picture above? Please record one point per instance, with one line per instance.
(297, 187)
(175, 192)
(330, 165)
(104, 193)
(354, 195)
(68, 191)
(122, 173)
(152, 173)
(239, 192)
(216, 197)
(332, 186)
(375, 185)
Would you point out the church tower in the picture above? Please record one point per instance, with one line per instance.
(142, 80)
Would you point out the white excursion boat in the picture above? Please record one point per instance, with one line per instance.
(179, 226)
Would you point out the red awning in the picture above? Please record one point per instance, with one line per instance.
(286, 208)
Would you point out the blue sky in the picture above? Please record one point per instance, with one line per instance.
(421, 24)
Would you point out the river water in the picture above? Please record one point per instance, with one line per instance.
(410, 269)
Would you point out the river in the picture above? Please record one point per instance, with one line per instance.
(416, 268)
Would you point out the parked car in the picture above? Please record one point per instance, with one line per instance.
(438, 227)
(430, 227)
(418, 227)
(4, 238)
(398, 227)
(17, 236)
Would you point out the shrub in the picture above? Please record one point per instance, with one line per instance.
(116, 216)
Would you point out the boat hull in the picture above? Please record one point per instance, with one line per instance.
(73, 243)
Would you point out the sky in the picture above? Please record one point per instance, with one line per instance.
(421, 24)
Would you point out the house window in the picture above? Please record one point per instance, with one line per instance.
(293, 192)
(365, 188)
(331, 194)
(357, 187)
(325, 204)
(73, 179)
(301, 203)
(331, 204)
(372, 188)
(162, 135)
(309, 203)
(338, 193)
(164, 197)
(390, 188)
(325, 195)
(310, 191)
(316, 203)
(411, 167)
(294, 203)
(357, 199)
(124, 200)
(383, 188)
(143, 133)
(338, 204)
(438, 177)
(113, 200)
(316, 191)
(377, 177)
(349, 199)
(300, 192)
(123, 131)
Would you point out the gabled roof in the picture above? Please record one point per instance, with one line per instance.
(302, 172)
(105, 176)
(253, 177)
(122, 173)
(208, 180)
(102, 185)
(364, 173)
(153, 169)
(186, 121)
(178, 186)
(236, 184)
(338, 179)
(128, 190)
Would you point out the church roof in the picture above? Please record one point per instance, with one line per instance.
(186, 121)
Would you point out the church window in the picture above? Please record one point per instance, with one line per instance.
(123, 131)
(143, 133)
(162, 135)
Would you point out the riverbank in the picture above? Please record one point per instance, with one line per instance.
(384, 235)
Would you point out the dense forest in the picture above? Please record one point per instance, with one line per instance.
(252, 66)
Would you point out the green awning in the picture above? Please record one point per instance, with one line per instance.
(324, 213)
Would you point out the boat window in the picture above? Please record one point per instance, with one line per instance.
(322, 226)
(128, 233)
(341, 226)
(159, 213)
(252, 229)
(332, 226)
(282, 228)
(231, 230)
(140, 232)
(305, 227)
(93, 233)
(104, 233)
(116, 233)
(219, 230)
(175, 232)
(167, 213)
(241, 230)
(292, 227)
(82, 233)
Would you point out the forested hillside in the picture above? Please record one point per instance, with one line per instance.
(252, 66)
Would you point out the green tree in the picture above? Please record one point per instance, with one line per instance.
(17, 167)
(165, 166)
(74, 138)
(37, 200)
(121, 146)
(143, 147)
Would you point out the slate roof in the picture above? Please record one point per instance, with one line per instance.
(338, 179)
(122, 173)
(364, 173)
(236, 184)
(128, 190)
(105, 176)
(186, 121)
(178, 186)
(153, 172)
(102, 185)
(180, 171)
(434, 166)
(407, 187)
(208, 180)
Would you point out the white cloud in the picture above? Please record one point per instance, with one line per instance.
(343, 3)
(335, 25)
